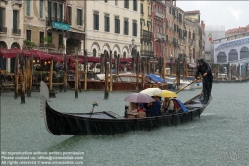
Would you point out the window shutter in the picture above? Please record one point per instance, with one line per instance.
(136, 29)
(55, 11)
(70, 14)
(81, 17)
(28, 8)
(49, 8)
(108, 24)
(41, 8)
(78, 17)
(14, 19)
(60, 12)
(142, 8)
(127, 27)
(97, 16)
(1, 17)
(118, 25)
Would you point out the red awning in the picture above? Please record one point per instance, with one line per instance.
(41, 55)
(125, 60)
(10, 53)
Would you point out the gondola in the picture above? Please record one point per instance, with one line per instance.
(110, 123)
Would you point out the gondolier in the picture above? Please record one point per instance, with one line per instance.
(205, 70)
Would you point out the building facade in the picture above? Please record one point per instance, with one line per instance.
(146, 29)
(194, 35)
(158, 14)
(112, 25)
(55, 26)
(11, 29)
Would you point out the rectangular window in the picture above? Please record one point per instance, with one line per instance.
(79, 17)
(126, 27)
(96, 21)
(49, 9)
(142, 8)
(107, 23)
(117, 25)
(49, 34)
(60, 12)
(105, 1)
(41, 9)
(41, 37)
(116, 2)
(28, 7)
(134, 28)
(28, 35)
(55, 11)
(135, 5)
(2, 17)
(60, 39)
(15, 19)
(126, 4)
(70, 14)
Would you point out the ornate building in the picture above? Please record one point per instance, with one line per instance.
(112, 25)
(146, 28)
(55, 25)
(158, 14)
(11, 29)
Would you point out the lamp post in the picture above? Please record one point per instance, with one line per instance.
(133, 51)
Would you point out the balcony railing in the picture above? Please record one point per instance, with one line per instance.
(49, 20)
(146, 34)
(3, 30)
(16, 31)
(159, 15)
(161, 36)
(146, 53)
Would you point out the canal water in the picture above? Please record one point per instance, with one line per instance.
(219, 137)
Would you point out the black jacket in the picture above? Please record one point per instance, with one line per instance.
(205, 68)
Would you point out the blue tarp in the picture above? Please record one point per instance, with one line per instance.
(182, 106)
(155, 78)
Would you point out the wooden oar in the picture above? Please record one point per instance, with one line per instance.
(188, 85)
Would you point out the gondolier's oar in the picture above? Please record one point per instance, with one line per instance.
(188, 85)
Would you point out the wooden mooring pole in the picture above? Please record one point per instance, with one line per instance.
(65, 73)
(22, 79)
(110, 69)
(76, 76)
(106, 93)
(137, 71)
(85, 70)
(16, 76)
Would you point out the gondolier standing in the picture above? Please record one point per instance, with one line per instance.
(205, 70)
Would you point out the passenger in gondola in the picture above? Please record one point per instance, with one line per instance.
(132, 110)
(141, 111)
(156, 106)
(165, 105)
(149, 110)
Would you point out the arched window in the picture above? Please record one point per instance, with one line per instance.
(232, 55)
(94, 52)
(221, 57)
(244, 52)
(124, 54)
(115, 54)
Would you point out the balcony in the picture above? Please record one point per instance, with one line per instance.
(161, 36)
(159, 15)
(16, 31)
(146, 53)
(49, 20)
(3, 30)
(146, 34)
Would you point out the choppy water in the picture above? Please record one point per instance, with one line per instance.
(220, 137)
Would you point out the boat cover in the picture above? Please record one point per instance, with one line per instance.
(181, 104)
(155, 78)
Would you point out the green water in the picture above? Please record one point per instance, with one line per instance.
(220, 137)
